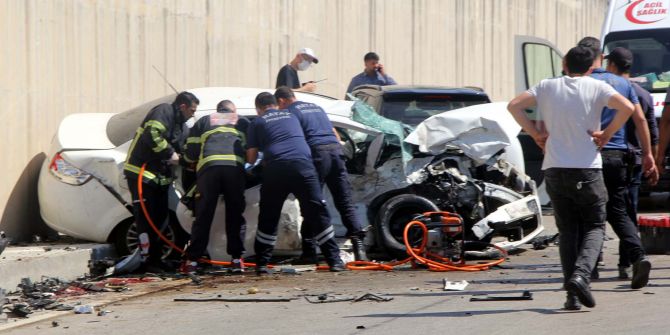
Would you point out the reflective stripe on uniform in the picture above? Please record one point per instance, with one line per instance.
(147, 174)
(223, 129)
(193, 140)
(155, 124)
(325, 235)
(265, 238)
(161, 143)
(230, 158)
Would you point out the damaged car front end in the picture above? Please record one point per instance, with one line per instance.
(470, 170)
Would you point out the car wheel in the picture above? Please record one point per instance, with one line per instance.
(126, 237)
(392, 218)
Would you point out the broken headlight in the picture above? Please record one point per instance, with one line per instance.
(67, 172)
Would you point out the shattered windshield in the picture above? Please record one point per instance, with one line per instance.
(413, 108)
(394, 131)
(651, 56)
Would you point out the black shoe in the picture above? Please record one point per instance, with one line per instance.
(571, 303)
(359, 248)
(595, 274)
(623, 272)
(579, 286)
(641, 270)
(337, 267)
(262, 270)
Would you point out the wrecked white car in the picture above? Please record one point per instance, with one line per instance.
(475, 169)
(459, 161)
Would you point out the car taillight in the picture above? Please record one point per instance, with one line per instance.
(66, 172)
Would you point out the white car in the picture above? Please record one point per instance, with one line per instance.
(83, 192)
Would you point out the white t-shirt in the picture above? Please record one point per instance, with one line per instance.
(571, 107)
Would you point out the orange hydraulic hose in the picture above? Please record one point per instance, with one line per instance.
(158, 232)
(420, 255)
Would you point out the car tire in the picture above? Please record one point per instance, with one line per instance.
(392, 218)
(125, 237)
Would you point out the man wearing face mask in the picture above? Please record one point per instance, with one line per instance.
(288, 75)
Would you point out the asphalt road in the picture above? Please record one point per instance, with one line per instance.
(419, 304)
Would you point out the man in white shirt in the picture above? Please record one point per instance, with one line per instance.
(571, 107)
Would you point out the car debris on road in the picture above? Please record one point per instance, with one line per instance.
(526, 295)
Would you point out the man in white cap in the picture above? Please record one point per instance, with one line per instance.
(288, 75)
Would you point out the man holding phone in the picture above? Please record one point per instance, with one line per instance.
(374, 73)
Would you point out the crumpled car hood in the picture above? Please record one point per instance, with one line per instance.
(480, 131)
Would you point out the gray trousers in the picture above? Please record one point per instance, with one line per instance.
(579, 199)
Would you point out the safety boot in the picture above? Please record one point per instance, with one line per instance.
(359, 248)
(572, 303)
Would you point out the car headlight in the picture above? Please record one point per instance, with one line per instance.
(67, 172)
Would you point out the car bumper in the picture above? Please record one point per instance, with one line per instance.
(88, 211)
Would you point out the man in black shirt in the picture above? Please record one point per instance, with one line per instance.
(288, 75)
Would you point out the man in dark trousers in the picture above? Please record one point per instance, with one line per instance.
(615, 168)
(156, 144)
(287, 169)
(571, 108)
(217, 145)
(288, 74)
(329, 163)
(619, 62)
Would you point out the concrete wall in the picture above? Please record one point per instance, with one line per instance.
(71, 56)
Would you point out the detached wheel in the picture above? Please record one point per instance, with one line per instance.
(126, 237)
(392, 218)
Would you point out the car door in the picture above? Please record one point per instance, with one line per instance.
(535, 59)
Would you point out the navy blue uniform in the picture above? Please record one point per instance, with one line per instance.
(329, 161)
(288, 169)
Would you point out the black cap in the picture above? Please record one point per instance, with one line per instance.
(621, 57)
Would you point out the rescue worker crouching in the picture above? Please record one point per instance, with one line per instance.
(288, 169)
(217, 145)
(327, 156)
(156, 144)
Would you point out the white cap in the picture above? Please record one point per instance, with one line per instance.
(309, 52)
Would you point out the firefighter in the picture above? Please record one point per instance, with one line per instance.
(288, 169)
(327, 156)
(156, 144)
(216, 144)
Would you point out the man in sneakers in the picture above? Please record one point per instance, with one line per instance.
(327, 157)
(287, 169)
(217, 145)
(571, 108)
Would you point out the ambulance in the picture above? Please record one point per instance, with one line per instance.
(643, 27)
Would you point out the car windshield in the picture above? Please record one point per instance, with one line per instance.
(651, 56)
(413, 108)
